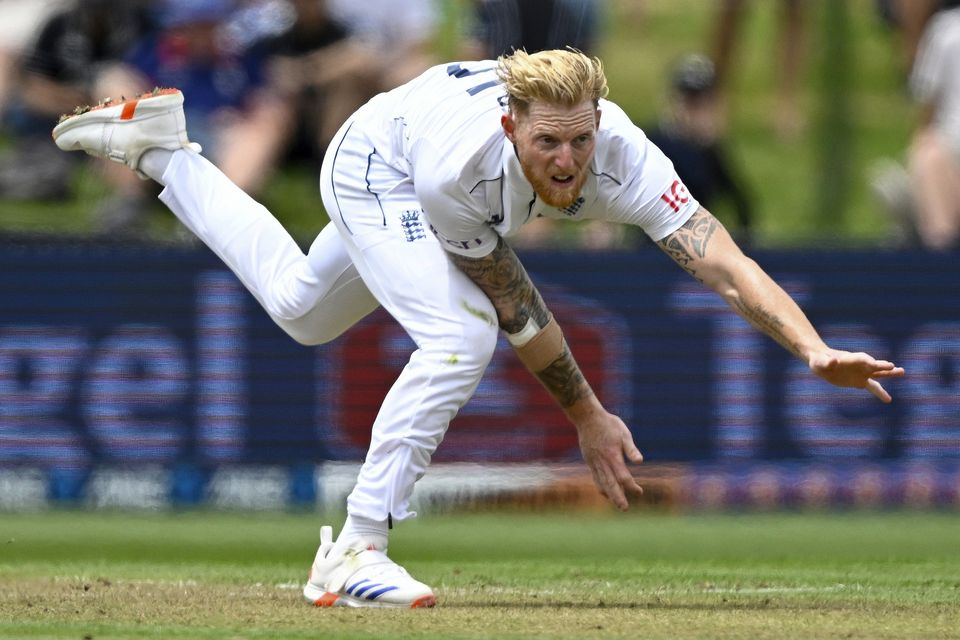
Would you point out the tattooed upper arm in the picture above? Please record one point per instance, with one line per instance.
(688, 244)
(501, 276)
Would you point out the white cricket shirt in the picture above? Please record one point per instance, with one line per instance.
(935, 78)
(443, 130)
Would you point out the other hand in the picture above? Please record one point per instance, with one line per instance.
(604, 442)
(857, 370)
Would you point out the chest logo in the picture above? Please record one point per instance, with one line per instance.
(412, 226)
(575, 207)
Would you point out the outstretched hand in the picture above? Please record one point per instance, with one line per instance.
(858, 370)
(604, 442)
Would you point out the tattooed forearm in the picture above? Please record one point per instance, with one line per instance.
(564, 380)
(767, 322)
(501, 276)
(689, 243)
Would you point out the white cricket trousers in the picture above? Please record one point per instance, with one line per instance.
(378, 250)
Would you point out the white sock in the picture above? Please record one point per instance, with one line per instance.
(370, 531)
(154, 163)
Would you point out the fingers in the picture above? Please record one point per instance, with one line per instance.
(633, 454)
(877, 389)
(610, 488)
(895, 372)
(616, 485)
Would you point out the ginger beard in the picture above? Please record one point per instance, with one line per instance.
(554, 144)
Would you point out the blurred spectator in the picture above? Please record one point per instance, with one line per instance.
(398, 36)
(908, 18)
(323, 72)
(20, 20)
(241, 124)
(60, 70)
(924, 199)
(499, 27)
(690, 135)
(934, 158)
(789, 120)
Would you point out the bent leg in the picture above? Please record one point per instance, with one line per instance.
(314, 299)
(450, 320)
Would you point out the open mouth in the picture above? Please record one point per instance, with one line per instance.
(563, 179)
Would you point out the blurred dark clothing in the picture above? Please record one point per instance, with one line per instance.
(705, 169)
(535, 25)
(301, 39)
(70, 50)
(56, 73)
(74, 43)
(308, 35)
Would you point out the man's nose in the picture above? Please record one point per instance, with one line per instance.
(564, 157)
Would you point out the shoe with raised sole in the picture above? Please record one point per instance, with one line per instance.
(122, 130)
(362, 577)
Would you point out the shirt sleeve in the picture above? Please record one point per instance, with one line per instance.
(652, 196)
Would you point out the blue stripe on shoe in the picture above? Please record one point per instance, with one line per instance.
(357, 584)
(362, 590)
(376, 594)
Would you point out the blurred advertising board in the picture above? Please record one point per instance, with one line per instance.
(146, 358)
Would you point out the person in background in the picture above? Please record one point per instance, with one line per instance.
(61, 68)
(934, 154)
(398, 36)
(499, 27)
(923, 197)
(234, 113)
(908, 18)
(789, 120)
(322, 71)
(689, 133)
(20, 21)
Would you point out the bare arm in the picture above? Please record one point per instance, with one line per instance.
(705, 250)
(604, 439)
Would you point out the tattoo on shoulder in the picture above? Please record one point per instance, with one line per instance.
(689, 243)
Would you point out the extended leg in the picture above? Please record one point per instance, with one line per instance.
(313, 298)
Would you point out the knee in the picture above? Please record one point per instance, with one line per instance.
(301, 333)
(477, 343)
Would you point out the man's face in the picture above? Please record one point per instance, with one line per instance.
(555, 145)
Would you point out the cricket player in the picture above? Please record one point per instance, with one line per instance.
(422, 186)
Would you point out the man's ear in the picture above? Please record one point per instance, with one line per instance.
(597, 119)
(509, 127)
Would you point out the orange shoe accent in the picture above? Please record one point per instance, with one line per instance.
(326, 600)
(424, 602)
(128, 109)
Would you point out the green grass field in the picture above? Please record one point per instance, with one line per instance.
(103, 575)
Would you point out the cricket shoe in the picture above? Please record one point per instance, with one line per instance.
(362, 576)
(122, 130)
